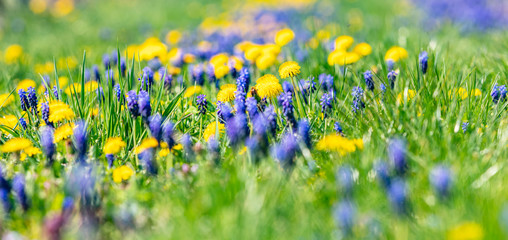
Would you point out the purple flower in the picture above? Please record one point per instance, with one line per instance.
(187, 147)
(111, 160)
(123, 67)
(96, 73)
(367, 75)
(464, 126)
(132, 103)
(25, 105)
(47, 143)
(237, 128)
(240, 101)
(80, 140)
(271, 119)
(383, 173)
(167, 134)
(326, 81)
(345, 181)
(357, 94)
(326, 104)
(392, 76)
(147, 159)
(106, 61)
(498, 93)
(198, 75)
(337, 127)
(398, 155)
(285, 151)
(287, 87)
(398, 196)
(252, 107)
(18, 186)
(390, 64)
(45, 113)
(214, 150)
(32, 99)
(118, 93)
(22, 122)
(202, 103)
(304, 132)
(423, 59)
(154, 123)
(242, 82)
(441, 179)
(223, 112)
(110, 77)
(345, 213)
(55, 92)
(145, 110)
(286, 100)
(147, 79)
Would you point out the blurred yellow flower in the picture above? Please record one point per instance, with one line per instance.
(62, 7)
(9, 121)
(236, 62)
(29, 152)
(37, 6)
(24, 84)
(339, 144)
(192, 90)
(122, 173)
(13, 54)
(219, 59)
(466, 231)
(342, 58)
(67, 62)
(270, 49)
(63, 132)
(458, 92)
(265, 61)
(15, 145)
(44, 68)
(253, 52)
(268, 86)
(6, 99)
(343, 42)
(151, 48)
(395, 54)
(226, 93)
(113, 145)
(323, 35)
(221, 71)
(189, 58)
(476, 92)
(62, 82)
(313, 43)
(408, 94)
(211, 130)
(59, 111)
(363, 49)
(284, 36)
(289, 69)
(146, 144)
(173, 37)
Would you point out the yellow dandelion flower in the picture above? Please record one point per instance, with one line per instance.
(342, 58)
(219, 59)
(94, 112)
(408, 94)
(265, 61)
(458, 92)
(9, 121)
(151, 48)
(344, 42)
(164, 152)
(339, 144)
(62, 7)
(113, 145)
(191, 91)
(466, 231)
(6, 99)
(395, 54)
(91, 86)
(334, 55)
(25, 84)
(270, 49)
(226, 93)
(221, 71)
(237, 63)
(363, 49)
(62, 82)
(173, 37)
(174, 70)
(146, 144)
(475, 92)
(59, 111)
(13, 54)
(253, 52)
(323, 35)
(211, 130)
(189, 58)
(267, 87)
(242, 151)
(37, 6)
(122, 173)
(63, 132)
(15, 145)
(289, 69)
(74, 88)
(177, 147)
(243, 46)
(69, 62)
(31, 151)
(132, 51)
(284, 36)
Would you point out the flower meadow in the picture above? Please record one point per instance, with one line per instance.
(253, 120)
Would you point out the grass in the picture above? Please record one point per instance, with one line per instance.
(240, 199)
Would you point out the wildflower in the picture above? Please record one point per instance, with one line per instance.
(395, 54)
(242, 82)
(211, 130)
(96, 73)
(202, 104)
(167, 134)
(118, 92)
(18, 186)
(284, 36)
(154, 123)
(223, 112)
(464, 126)
(304, 132)
(29, 152)
(309, 86)
(226, 93)
(63, 132)
(240, 101)
(423, 59)
(357, 94)
(47, 143)
(339, 144)
(398, 196)
(147, 79)
(122, 173)
(289, 69)
(287, 87)
(6, 99)
(363, 49)
(146, 158)
(81, 140)
(286, 100)
(56, 93)
(25, 105)
(408, 94)
(367, 75)
(344, 179)
(221, 71)
(189, 92)
(5, 188)
(392, 76)
(187, 146)
(25, 84)
(22, 122)
(265, 61)
(383, 173)
(383, 88)
(441, 179)
(344, 213)
(326, 104)
(268, 86)
(326, 81)
(285, 151)
(145, 110)
(237, 128)
(398, 155)
(466, 231)
(146, 144)
(251, 107)
(15, 145)
(13, 54)
(168, 80)
(390, 64)
(123, 67)
(110, 77)
(113, 145)
(498, 93)
(342, 58)
(337, 127)
(214, 150)
(59, 111)
(343, 42)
